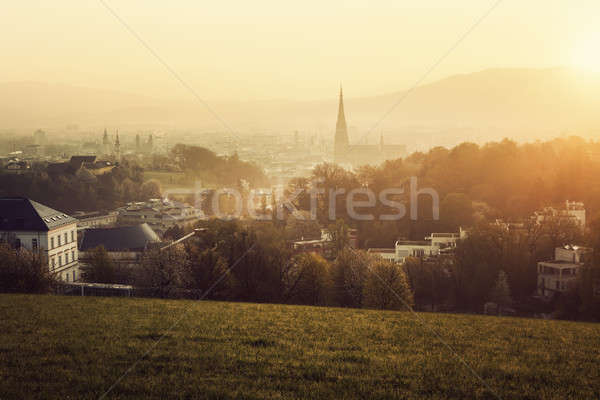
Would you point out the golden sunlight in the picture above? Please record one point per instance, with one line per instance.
(586, 53)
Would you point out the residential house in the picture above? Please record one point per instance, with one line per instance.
(415, 248)
(558, 275)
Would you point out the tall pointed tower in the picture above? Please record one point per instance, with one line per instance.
(341, 133)
(105, 143)
(117, 148)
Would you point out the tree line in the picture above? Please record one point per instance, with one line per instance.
(253, 262)
(65, 192)
(475, 183)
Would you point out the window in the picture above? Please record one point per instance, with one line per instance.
(66, 238)
(418, 252)
(66, 258)
(51, 243)
(59, 261)
(73, 255)
(58, 237)
(67, 277)
(53, 262)
(72, 236)
(34, 244)
(18, 243)
(74, 276)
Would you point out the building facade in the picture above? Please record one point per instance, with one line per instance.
(38, 228)
(95, 219)
(159, 214)
(558, 275)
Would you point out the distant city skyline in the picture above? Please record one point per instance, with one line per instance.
(234, 50)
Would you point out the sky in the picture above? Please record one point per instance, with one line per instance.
(277, 49)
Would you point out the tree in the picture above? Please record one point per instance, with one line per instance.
(151, 189)
(349, 273)
(456, 210)
(386, 286)
(477, 260)
(207, 269)
(500, 293)
(307, 281)
(162, 271)
(100, 268)
(339, 236)
(23, 271)
(430, 281)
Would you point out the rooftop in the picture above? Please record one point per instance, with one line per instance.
(413, 243)
(22, 214)
(122, 238)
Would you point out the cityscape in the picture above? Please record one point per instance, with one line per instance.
(216, 215)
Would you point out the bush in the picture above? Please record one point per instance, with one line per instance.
(23, 271)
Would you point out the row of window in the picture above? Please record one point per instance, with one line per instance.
(59, 237)
(60, 259)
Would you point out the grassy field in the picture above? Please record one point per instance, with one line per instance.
(76, 348)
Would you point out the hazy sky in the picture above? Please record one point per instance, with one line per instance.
(265, 49)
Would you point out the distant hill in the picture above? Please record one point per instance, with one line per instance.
(491, 104)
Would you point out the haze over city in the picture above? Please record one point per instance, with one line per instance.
(300, 200)
(272, 66)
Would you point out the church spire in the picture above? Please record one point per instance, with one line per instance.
(341, 130)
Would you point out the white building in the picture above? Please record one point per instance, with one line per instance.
(447, 241)
(434, 245)
(159, 214)
(560, 274)
(26, 223)
(95, 219)
(415, 248)
(388, 254)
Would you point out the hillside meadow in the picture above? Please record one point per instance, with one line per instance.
(77, 348)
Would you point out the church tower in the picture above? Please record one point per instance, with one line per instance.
(341, 133)
(105, 143)
(117, 148)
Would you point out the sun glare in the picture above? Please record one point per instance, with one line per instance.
(586, 53)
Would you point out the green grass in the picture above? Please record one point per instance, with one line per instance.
(72, 348)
